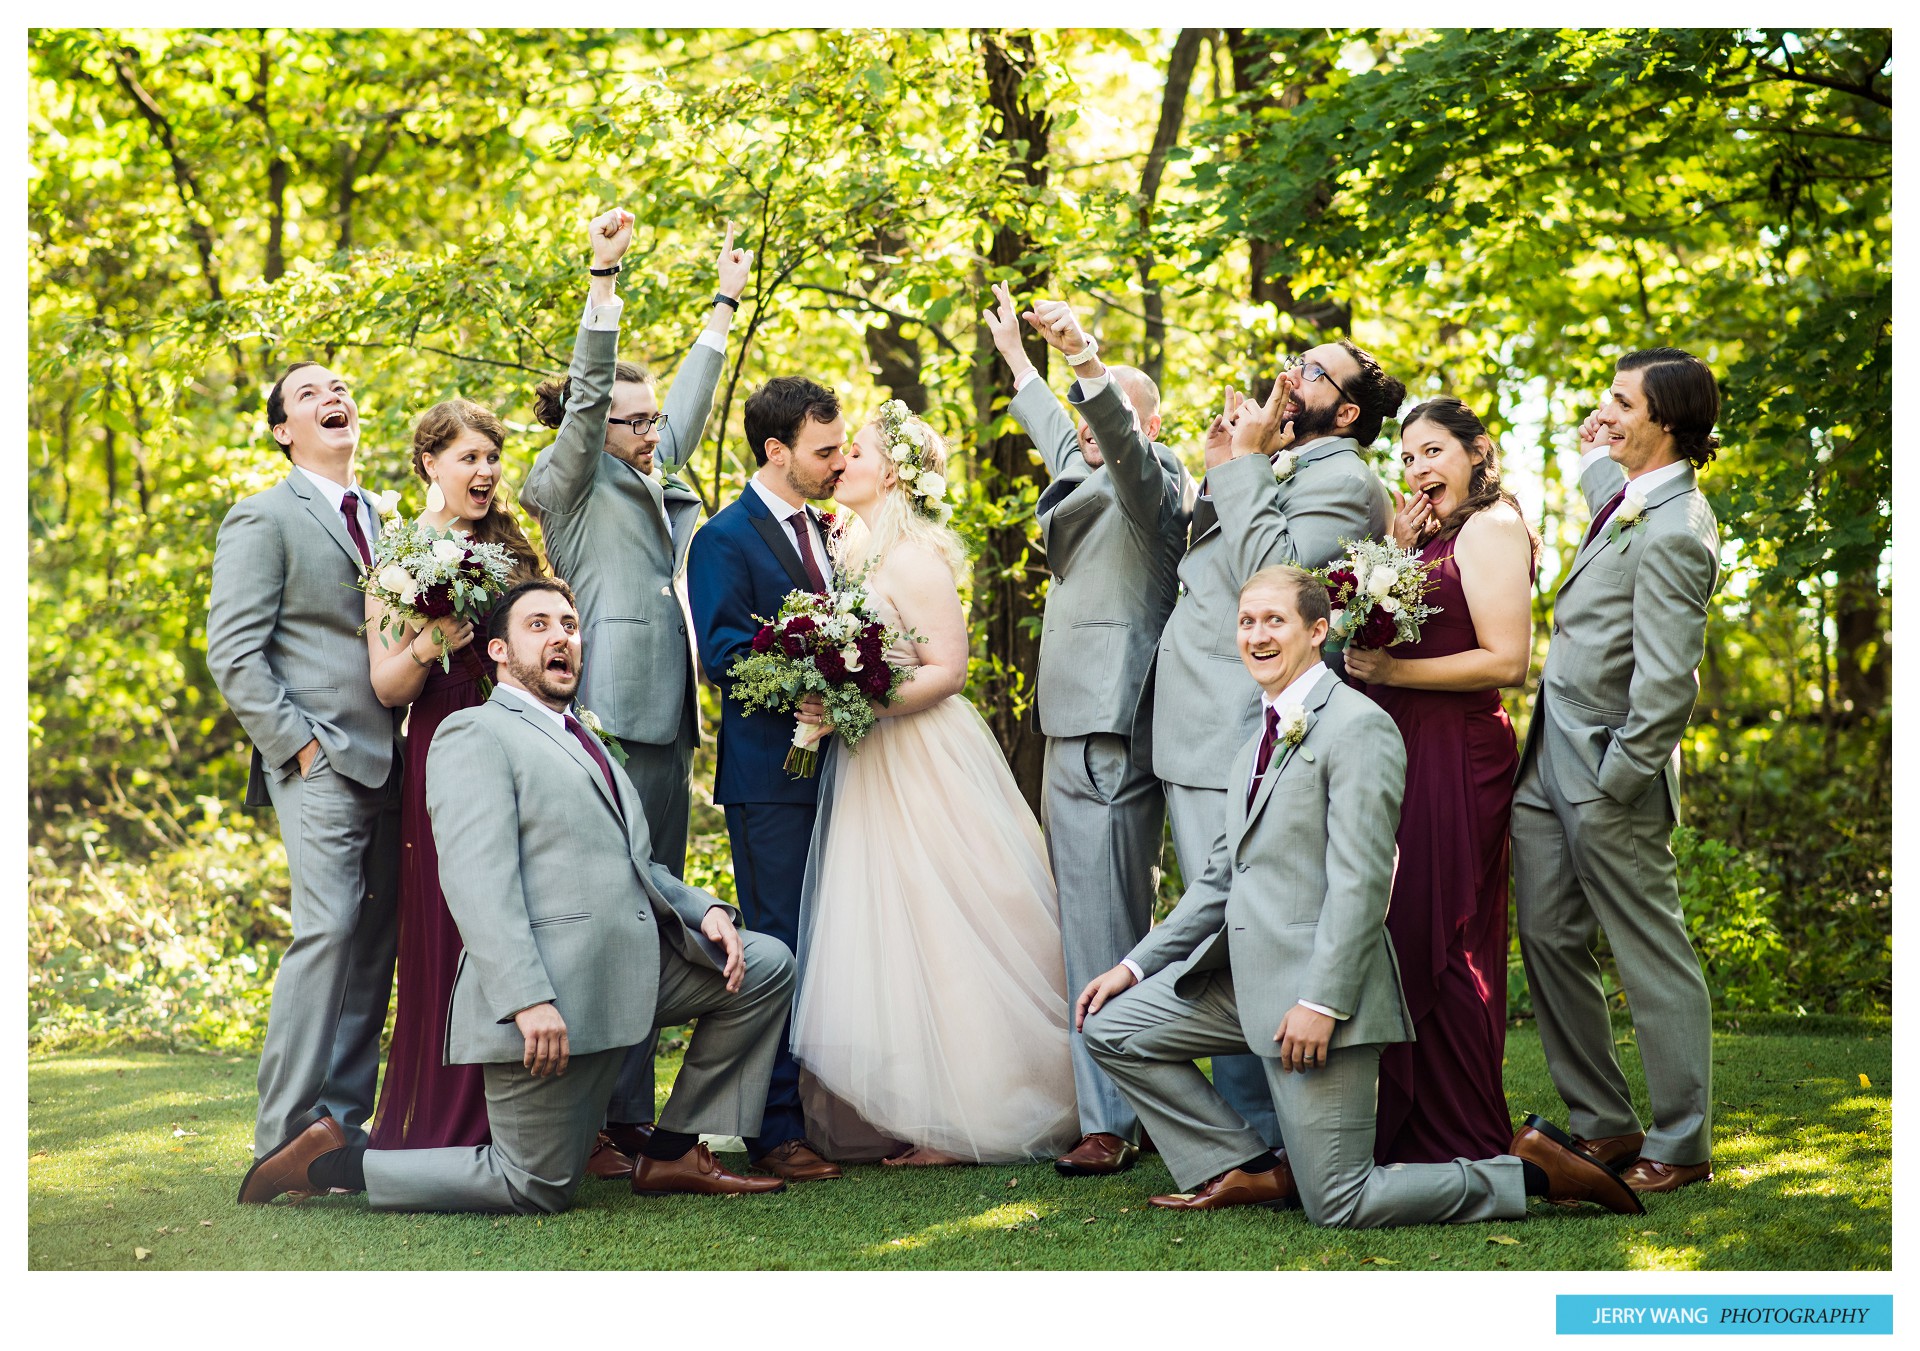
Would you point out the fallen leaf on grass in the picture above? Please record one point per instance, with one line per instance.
(1648, 1233)
(177, 1132)
(1013, 1182)
(141, 1254)
(1504, 1240)
(1091, 1219)
(1031, 1214)
(1179, 1240)
(1865, 1082)
(1379, 1262)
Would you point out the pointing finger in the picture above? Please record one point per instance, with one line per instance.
(728, 246)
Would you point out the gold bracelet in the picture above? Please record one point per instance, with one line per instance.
(423, 665)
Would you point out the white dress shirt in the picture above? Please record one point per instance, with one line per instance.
(1647, 482)
(606, 315)
(558, 719)
(1293, 696)
(335, 493)
(784, 513)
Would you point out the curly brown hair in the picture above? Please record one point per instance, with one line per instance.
(437, 429)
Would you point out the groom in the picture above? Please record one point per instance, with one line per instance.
(284, 648)
(1282, 948)
(576, 942)
(768, 542)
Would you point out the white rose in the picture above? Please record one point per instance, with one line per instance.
(1293, 724)
(901, 452)
(847, 602)
(408, 592)
(895, 408)
(1283, 465)
(851, 656)
(907, 473)
(1380, 581)
(1390, 604)
(394, 578)
(447, 551)
(932, 485)
(1632, 507)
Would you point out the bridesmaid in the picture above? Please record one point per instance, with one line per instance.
(1441, 1095)
(423, 1103)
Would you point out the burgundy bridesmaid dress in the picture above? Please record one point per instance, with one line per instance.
(425, 1104)
(1441, 1095)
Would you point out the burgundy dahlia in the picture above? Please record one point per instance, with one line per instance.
(1378, 631)
(763, 640)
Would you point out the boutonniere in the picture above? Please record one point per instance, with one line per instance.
(1293, 725)
(1631, 511)
(1284, 463)
(384, 503)
(591, 721)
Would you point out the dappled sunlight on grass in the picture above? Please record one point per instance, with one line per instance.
(1008, 1217)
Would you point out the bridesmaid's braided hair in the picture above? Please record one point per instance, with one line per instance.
(1483, 488)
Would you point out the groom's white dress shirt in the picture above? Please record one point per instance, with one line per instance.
(784, 514)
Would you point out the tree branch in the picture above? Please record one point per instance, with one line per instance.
(867, 304)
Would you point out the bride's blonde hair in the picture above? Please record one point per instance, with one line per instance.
(859, 548)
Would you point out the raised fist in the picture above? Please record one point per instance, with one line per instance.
(609, 236)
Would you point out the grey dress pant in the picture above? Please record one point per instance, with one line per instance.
(330, 994)
(1149, 1037)
(1580, 867)
(661, 776)
(1103, 810)
(543, 1128)
(1199, 818)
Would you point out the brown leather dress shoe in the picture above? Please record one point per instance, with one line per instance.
(696, 1173)
(1616, 1151)
(629, 1137)
(1097, 1155)
(797, 1161)
(284, 1169)
(1572, 1173)
(1273, 1189)
(608, 1161)
(1651, 1175)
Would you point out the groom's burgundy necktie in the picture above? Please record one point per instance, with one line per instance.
(799, 523)
(1606, 514)
(592, 745)
(350, 508)
(1266, 751)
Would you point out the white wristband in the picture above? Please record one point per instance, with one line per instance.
(1084, 355)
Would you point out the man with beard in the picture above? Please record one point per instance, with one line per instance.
(576, 942)
(766, 542)
(1285, 485)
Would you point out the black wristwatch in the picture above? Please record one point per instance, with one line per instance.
(613, 271)
(722, 298)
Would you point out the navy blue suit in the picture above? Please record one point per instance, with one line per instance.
(743, 563)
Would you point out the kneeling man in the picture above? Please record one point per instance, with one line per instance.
(577, 944)
(1283, 949)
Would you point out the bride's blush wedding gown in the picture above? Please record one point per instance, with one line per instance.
(932, 1006)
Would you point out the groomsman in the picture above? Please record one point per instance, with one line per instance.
(616, 524)
(1285, 484)
(1112, 522)
(768, 541)
(1599, 789)
(577, 942)
(1282, 948)
(284, 647)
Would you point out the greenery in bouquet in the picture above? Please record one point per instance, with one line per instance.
(830, 644)
(420, 574)
(1377, 591)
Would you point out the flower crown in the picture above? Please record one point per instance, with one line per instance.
(905, 445)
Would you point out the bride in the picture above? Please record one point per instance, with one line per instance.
(932, 1010)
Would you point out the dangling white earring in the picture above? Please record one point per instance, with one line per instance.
(436, 500)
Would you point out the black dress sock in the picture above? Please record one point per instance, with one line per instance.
(664, 1146)
(1536, 1176)
(340, 1168)
(1264, 1162)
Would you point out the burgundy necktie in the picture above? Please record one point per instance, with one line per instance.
(1266, 751)
(799, 523)
(1606, 514)
(350, 508)
(592, 744)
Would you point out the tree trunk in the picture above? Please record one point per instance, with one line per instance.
(1863, 653)
(1008, 573)
(1173, 110)
(276, 265)
(895, 356)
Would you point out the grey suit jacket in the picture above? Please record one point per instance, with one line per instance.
(1629, 629)
(1297, 904)
(283, 636)
(1204, 702)
(552, 885)
(1113, 538)
(607, 533)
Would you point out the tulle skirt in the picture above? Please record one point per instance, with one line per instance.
(932, 1007)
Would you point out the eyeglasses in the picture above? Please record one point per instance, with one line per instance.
(1313, 370)
(641, 425)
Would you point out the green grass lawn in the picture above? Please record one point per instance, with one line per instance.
(134, 1159)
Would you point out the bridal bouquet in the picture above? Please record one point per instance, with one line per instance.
(831, 644)
(420, 574)
(1376, 590)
